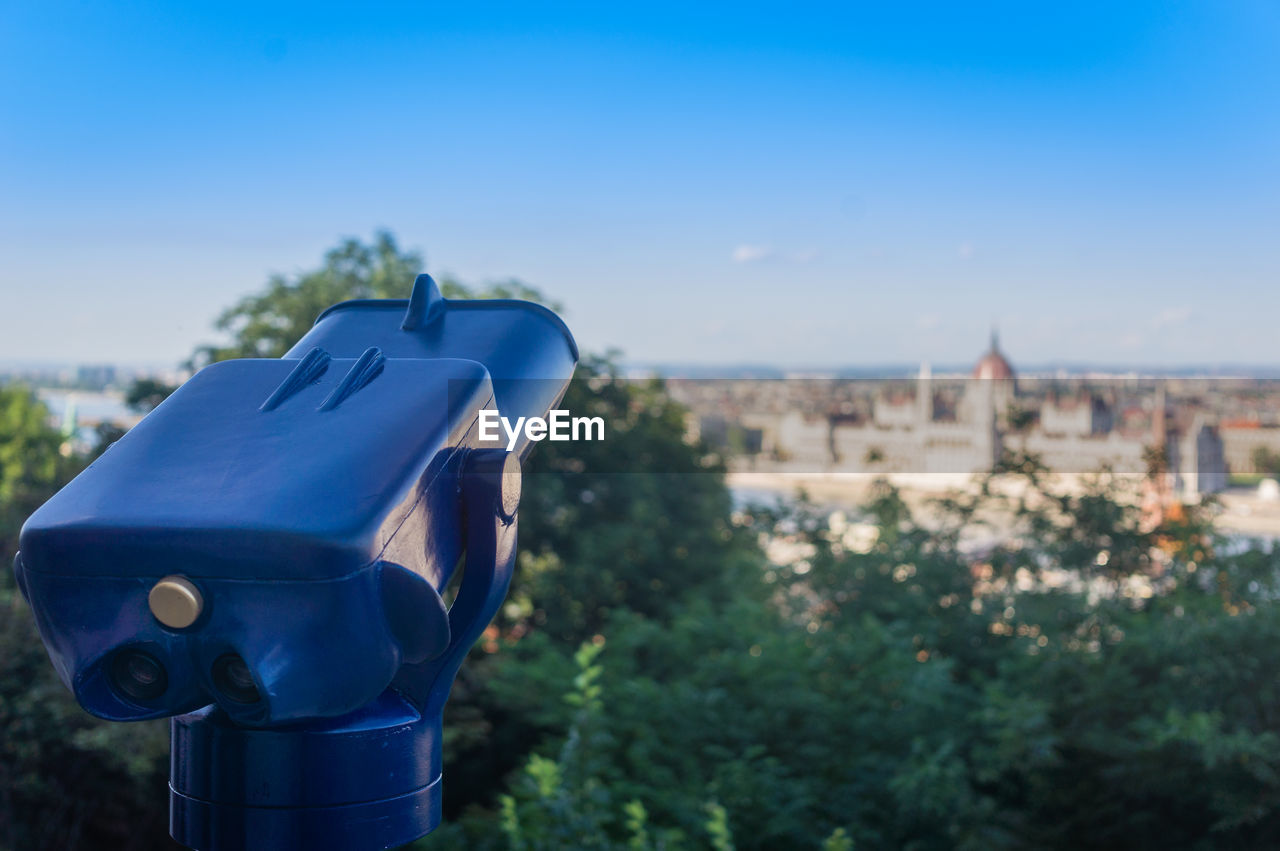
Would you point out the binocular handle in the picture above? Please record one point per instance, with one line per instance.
(490, 482)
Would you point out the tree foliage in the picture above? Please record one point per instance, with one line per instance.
(1266, 461)
(267, 323)
(32, 465)
(145, 393)
(911, 693)
(66, 780)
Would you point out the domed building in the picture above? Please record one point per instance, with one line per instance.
(994, 364)
(993, 388)
(966, 429)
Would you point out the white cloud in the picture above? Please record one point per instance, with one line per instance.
(1132, 340)
(747, 253)
(1171, 316)
(756, 253)
(965, 250)
(929, 322)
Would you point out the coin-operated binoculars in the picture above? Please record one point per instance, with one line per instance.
(264, 558)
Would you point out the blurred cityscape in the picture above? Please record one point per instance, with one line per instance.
(832, 434)
(89, 403)
(1187, 436)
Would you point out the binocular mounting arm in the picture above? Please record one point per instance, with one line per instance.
(490, 484)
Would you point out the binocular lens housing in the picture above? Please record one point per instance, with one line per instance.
(138, 675)
(231, 676)
(319, 505)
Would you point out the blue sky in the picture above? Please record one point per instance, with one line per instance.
(795, 184)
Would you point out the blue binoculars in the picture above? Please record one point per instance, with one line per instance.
(266, 557)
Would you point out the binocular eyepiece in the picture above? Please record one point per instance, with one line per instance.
(264, 558)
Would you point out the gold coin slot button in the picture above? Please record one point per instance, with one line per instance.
(175, 602)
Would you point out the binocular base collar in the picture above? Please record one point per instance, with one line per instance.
(389, 823)
(369, 780)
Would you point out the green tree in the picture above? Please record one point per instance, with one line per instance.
(267, 323)
(1266, 462)
(32, 464)
(640, 520)
(911, 695)
(66, 780)
(145, 393)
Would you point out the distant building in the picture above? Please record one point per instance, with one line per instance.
(1072, 432)
(1196, 459)
(1241, 441)
(1081, 414)
(994, 364)
(95, 376)
(906, 434)
(803, 439)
